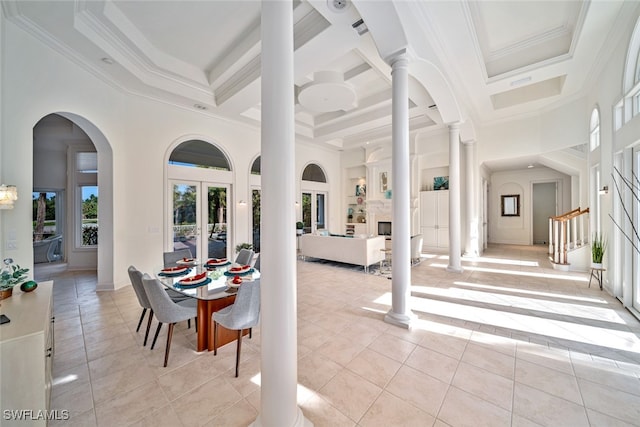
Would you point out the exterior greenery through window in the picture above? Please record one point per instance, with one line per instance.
(89, 215)
(44, 215)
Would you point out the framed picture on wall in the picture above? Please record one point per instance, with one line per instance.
(510, 205)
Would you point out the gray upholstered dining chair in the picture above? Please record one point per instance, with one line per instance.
(256, 264)
(243, 314)
(135, 276)
(244, 257)
(166, 311)
(170, 258)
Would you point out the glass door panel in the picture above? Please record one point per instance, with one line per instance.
(216, 238)
(306, 212)
(255, 219)
(320, 211)
(635, 200)
(185, 216)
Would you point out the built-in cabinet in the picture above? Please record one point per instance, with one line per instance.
(26, 353)
(434, 219)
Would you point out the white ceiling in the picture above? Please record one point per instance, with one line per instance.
(503, 59)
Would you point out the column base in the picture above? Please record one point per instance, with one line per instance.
(300, 421)
(471, 254)
(402, 320)
(452, 269)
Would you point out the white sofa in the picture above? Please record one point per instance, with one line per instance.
(350, 250)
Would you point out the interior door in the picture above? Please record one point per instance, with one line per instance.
(199, 218)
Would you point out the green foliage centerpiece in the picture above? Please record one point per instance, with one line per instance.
(598, 246)
(10, 276)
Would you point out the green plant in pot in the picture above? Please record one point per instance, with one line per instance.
(299, 227)
(10, 276)
(598, 246)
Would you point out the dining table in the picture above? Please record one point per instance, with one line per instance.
(214, 293)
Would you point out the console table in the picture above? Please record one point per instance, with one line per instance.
(26, 353)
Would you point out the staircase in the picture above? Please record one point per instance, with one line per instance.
(569, 240)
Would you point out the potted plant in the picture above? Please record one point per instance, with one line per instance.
(598, 246)
(299, 227)
(10, 276)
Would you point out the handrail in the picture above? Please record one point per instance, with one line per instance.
(561, 238)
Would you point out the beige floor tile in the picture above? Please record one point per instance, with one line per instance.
(464, 409)
(121, 359)
(163, 417)
(548, 380)
(132, 406)
(433, 363)
(393, 347)
(320, 412)
(609, 401)
(341, 350)
(600, 419)
(493, 361)
(520, 421)
(206, 402)
(485, 385)
(553, 358)
(418, 389)
(84, 419)
(350, 393)
(64, 381)
(611, 376)
(375, 367)
(76, 400)
(240, 414)
(121, 381)
(185, 378)
(451, 346)
(546, 409)
(389, 410)
(315, 370)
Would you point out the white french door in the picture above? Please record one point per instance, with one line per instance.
(314, 210)
(199, 218)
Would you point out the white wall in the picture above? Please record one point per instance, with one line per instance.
(139, 131)
(518, 230)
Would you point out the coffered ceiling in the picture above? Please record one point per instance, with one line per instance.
(502, 59)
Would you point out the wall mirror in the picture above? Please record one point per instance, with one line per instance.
(510, 205)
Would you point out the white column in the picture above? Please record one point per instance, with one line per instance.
(455, 264)
(400, 313)
(279, 364)
(472, 245)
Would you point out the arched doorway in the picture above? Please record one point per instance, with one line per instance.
(315, 193)
(69, 152)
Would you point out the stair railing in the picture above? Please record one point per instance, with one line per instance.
(567, 231)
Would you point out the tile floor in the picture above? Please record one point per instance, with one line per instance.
(509, 342)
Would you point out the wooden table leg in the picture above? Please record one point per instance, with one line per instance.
(203, 325)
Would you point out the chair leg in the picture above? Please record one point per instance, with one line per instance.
(146, 335)
(144, 311)
(215, 338)
(155, 337)
(196, 324)
(166, 352)
(238, 351)
(188, 323)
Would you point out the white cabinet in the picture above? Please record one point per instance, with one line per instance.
(434, 219)
(26, 350)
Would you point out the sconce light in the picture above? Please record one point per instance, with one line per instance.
(8, 195)
(242, 203)
(604, 190)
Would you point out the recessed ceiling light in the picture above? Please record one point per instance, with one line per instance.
(530, 166)
(106, 60)
(200, 106)
(338, 6)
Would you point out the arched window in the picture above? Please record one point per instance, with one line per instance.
(313, 172)
(594, 130)
(255, 166)
(196, 153)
